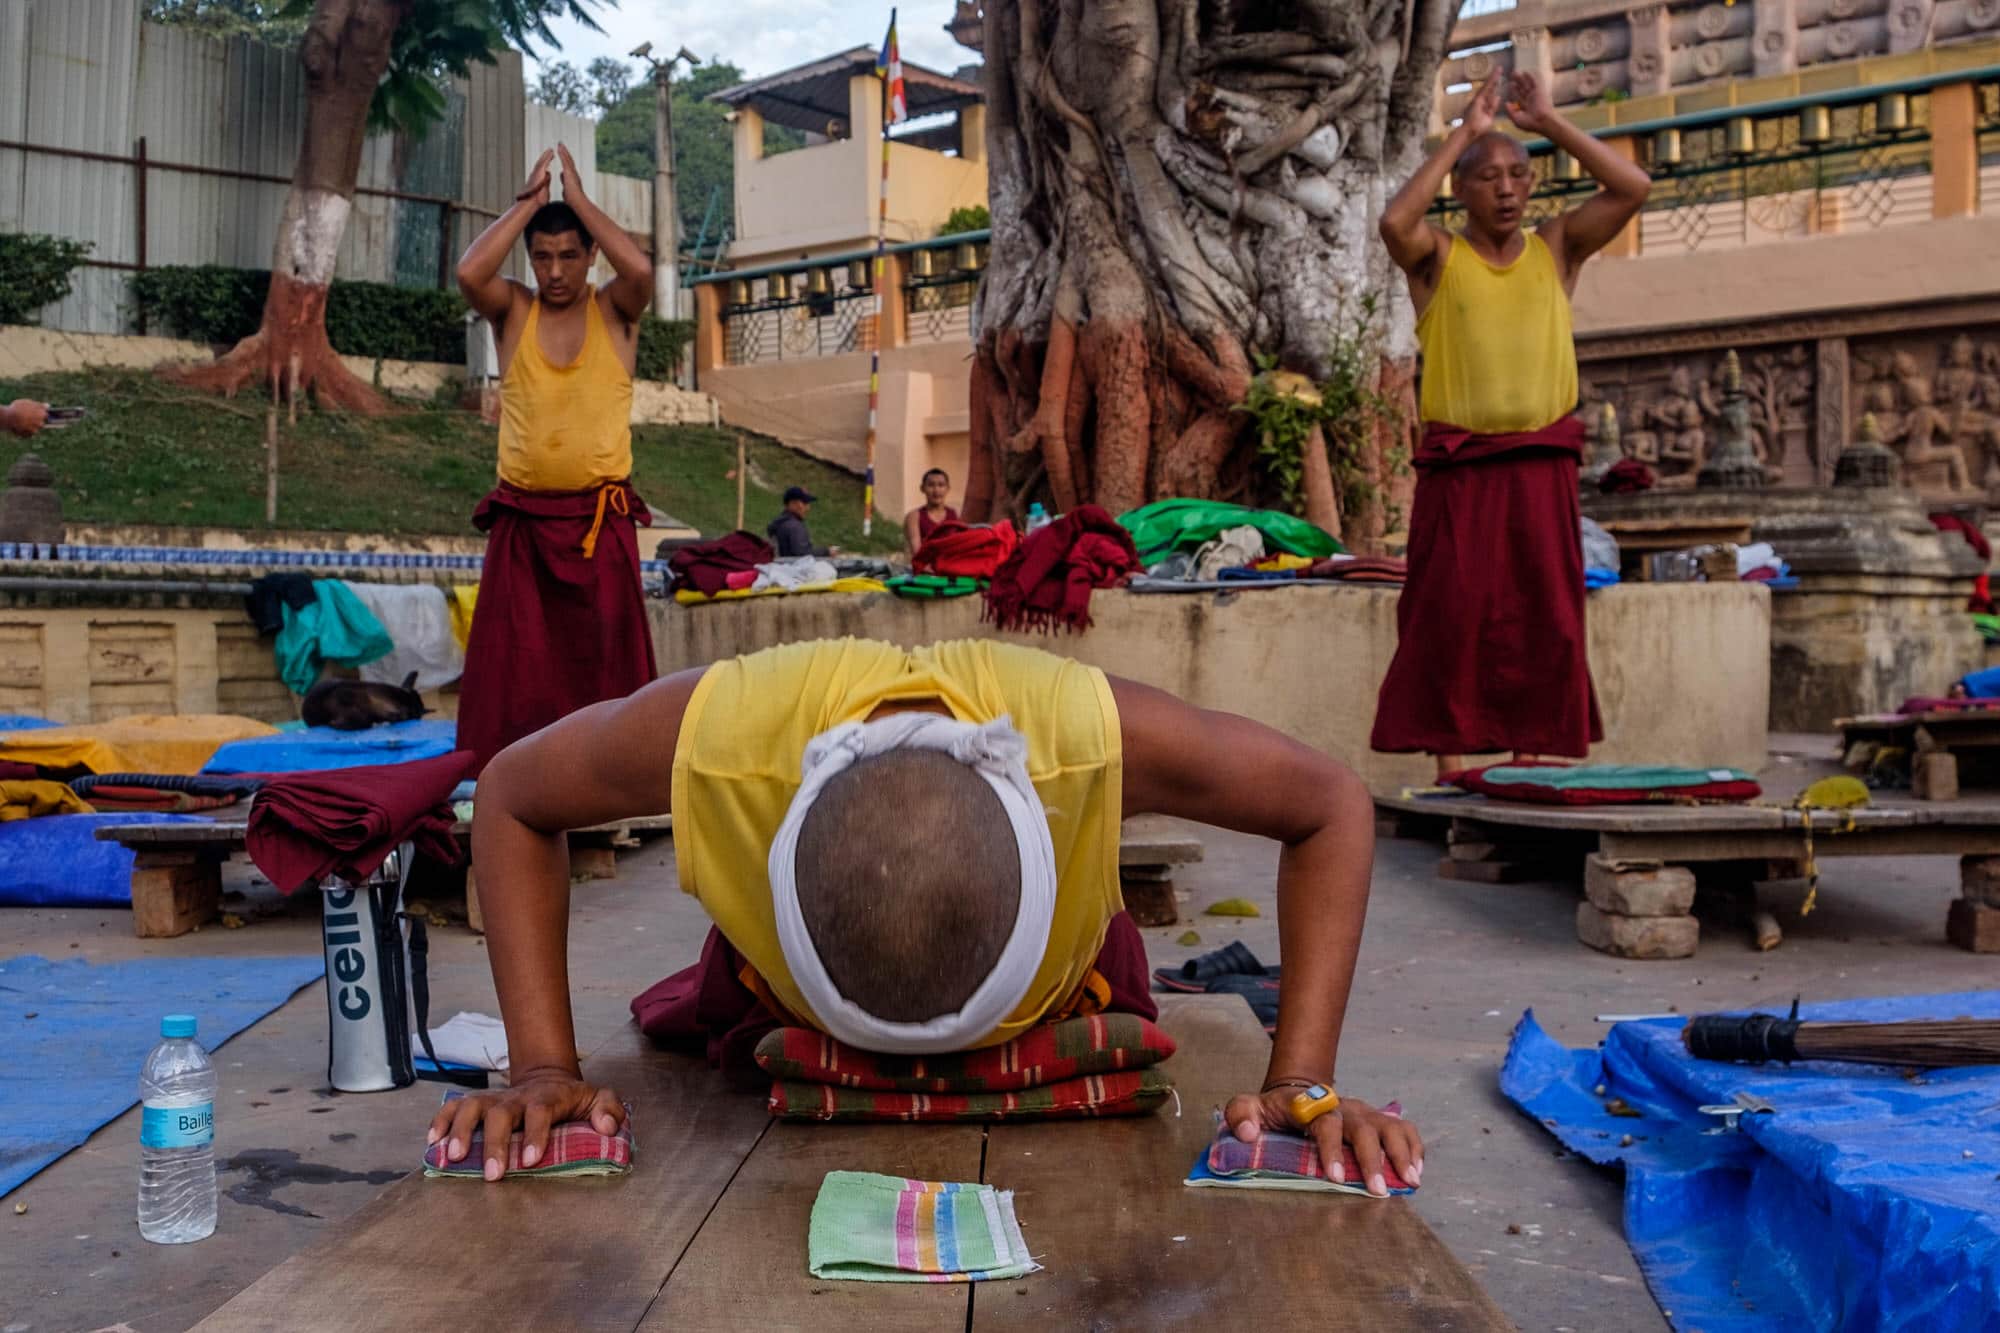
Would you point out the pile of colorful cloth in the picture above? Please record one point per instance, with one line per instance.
(744, 565)
(388, 632)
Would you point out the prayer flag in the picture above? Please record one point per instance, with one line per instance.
(889, 66)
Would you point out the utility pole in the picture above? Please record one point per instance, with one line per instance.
(666, 200)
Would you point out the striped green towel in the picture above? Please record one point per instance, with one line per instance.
(870, 1228)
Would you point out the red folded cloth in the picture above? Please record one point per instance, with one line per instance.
(961, 550)
(1361, 569)
(1047, 583)
(1628, 476)
(705, 567)
(307, 826)
(1973, 536)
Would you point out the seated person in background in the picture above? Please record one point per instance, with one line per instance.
(920, 522)
(788, 531)
(23, 417)
(810, 787)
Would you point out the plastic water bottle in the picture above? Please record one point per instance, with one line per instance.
(177, 1137)
(1038, 517)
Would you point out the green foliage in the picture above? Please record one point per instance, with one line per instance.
(704, 141)
(662, 343)
(263, 20)
(1285, 408)
(213, 304)
(34, 272)
(562, 86)
(971, 217)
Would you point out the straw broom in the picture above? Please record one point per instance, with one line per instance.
(1921, 1044)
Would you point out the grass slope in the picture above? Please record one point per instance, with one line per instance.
(151, 452)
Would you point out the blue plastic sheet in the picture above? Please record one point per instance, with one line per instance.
(1867, 1201)
(57, 861)
(22, 722)
(75, 1064)
(319, 748)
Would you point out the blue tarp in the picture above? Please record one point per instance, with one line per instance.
(1868, 1200)
(21, 722)
(57, 861)
(319, 748)
(75, 1064)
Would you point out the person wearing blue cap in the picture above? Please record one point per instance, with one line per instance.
(788, 531)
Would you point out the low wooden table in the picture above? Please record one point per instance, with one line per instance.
(177, 868)
(1935, 742)
(709, 1230)
(1515, 840)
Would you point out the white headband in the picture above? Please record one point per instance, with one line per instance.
(997, 753)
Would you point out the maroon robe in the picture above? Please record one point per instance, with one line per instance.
(1491, 653)
(555, 629)
(708, 1008)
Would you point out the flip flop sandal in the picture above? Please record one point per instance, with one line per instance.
(1260, 993)
(1193, 976)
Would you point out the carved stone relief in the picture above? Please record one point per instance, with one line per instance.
(1670, 410)
(1936, 398)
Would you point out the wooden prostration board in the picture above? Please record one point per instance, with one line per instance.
(709, 1232)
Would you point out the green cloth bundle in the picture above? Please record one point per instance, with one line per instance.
(934, 587)
(1165, 526)
(871, 1228)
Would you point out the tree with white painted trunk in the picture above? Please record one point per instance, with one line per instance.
(369, 64)
(1182, 189)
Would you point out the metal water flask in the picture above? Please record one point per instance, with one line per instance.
(367, 997)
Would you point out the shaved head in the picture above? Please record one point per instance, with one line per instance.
(909, 881)
(1481, 149)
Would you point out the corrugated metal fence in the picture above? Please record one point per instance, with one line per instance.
(216, 125)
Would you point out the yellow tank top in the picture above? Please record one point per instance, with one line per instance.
(1499, 354)
(566, 428)
(736, 769)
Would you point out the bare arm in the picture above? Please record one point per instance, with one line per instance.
(582, 771)
(912, 532)
(1223, 770)
(1624, 184)
(1414, 241)
(632, 291)
(479, 267)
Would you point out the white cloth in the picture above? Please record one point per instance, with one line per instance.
(1600, 548)
(796, 572)
(477, 1040)
(1758, 555)
(999, 754)
(418, 618)
(1233, 549)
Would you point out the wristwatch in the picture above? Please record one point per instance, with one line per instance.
(1314, 1102)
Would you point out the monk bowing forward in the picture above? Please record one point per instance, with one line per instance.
(1491, 654)
(561, 618)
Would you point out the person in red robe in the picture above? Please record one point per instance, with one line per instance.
(1491, 654)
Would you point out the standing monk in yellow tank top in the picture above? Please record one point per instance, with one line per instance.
(1490, 655)
(561, 617)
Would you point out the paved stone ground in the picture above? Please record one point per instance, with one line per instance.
(1446, 970)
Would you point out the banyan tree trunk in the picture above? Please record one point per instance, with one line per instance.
(1180, 187)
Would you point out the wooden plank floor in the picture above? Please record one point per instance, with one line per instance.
(709, 1231)
(549, 1254)
(1126, 1245)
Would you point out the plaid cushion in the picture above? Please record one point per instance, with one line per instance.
(575, 1149)
(1275, 1156)
(1095, 1095)
(1051, 1053)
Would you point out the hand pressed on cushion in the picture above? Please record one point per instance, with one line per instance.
(1372, 1134)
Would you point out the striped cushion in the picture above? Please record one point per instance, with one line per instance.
(1051, 1053)
(1132, 1093)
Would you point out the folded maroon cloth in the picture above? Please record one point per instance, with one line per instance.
(1628, 476)
(308, 826)
(962, 550)
(1444, 444)
(705, 567)
(1360, 569)
(1047, 582)
(1973, 536)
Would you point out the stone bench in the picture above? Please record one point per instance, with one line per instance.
(1149, 849)
(709, 1230)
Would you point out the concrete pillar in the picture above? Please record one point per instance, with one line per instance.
(197, 671)
(749, 136)
(894, 330)
(901, 457)
(1774, 44)
(1954, 151)
(66, 667)
(1625, 245)
(972, 133)
(709, 331)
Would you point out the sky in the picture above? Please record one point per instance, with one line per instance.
(762, 36)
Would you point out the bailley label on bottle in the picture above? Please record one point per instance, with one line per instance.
(177, 1126)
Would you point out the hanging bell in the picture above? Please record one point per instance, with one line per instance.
(1667, 148)
(1815, 125)
(819, 282)
(739, 292)
(1741, 136)
(858, 276)
(1565, 167)
(780, 286)
(923, 263)
(1892, 113)
(967, 259)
